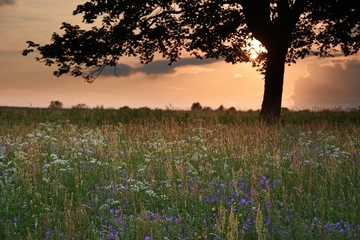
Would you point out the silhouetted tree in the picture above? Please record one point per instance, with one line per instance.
(289, 30)
(56, 105)
(99, 107)
(80, 106)
(196, 107)
(231, 110)
(221, 108)
(125, 108)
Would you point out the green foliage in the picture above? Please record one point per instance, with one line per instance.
(151, 174)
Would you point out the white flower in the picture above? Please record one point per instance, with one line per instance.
(151, 193)
(53, 156)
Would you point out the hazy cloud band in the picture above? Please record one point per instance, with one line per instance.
(158, 67)
(7, 2)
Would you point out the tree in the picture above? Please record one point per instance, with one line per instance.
(288, 29)
(221, 109)
(231, 110)
(125, 108)
(196, 106)
(80, 106)
(56, 105)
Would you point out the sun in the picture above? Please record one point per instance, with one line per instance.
(255, 48)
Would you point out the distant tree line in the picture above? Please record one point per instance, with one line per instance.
(59, 105)
(80, 106)
(197, 107)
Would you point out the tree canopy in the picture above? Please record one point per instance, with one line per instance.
(289, 30)
(56, 104)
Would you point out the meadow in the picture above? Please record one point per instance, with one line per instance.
(165, 174)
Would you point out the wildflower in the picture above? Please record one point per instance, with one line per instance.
(328, 227)
(262, 180)
(267, 222)
(48, 233)
(152, 215)
(147, 238)
(254, 209)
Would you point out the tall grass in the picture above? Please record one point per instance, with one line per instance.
(177, 175)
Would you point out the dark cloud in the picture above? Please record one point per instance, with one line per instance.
(327, 86)
(121, 70)
(158, 67)
(7, 2)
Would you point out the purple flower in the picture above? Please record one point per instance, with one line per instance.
(328, 227)
(213, 199)
(318, 221)
(262, 180)
(48, 233)
(147, 238)
(242, 201)
(267, 222)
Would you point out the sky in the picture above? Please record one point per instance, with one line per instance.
(312, 83)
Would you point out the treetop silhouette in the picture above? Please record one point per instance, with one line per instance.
(288, 29)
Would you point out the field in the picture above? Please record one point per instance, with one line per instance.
(164, 174)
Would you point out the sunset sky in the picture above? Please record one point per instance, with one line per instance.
(311, 83)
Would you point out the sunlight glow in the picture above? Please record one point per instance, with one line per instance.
(255, 48)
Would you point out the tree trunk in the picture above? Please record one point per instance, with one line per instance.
(276, 35)
(274, 79)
